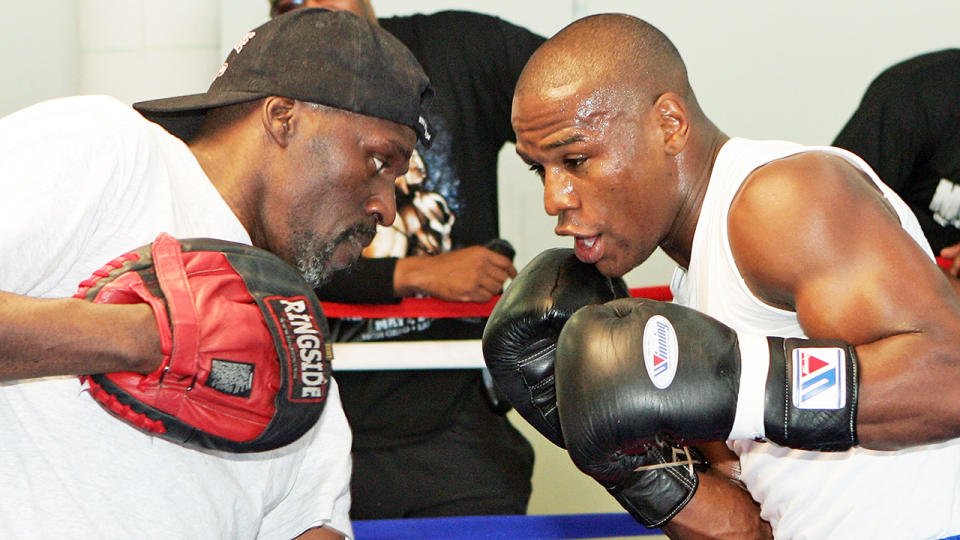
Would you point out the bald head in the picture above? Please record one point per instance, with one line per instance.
(612, 50)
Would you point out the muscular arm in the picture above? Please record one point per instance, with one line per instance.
(320, 533)
(952, 253)
(810, 233)
(721, 507)
(43, 337)
(951, 277)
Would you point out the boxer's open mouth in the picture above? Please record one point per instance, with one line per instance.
(589, 249)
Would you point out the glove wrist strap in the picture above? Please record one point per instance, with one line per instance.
(755, 362)
(812, 396)
(168, 261)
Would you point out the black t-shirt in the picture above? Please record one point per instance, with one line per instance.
(908, 129)
(473, 62)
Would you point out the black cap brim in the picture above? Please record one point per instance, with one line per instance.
(332, 58)
(183, 115)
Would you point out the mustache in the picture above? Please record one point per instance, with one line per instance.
(361, 232)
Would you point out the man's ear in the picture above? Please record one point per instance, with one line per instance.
(277, 117)
(673, 120)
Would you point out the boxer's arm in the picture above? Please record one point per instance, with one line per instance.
(952, 253)
(810, 233)
(953, 279)
(721, 507)
(68, 336)
(320, 533)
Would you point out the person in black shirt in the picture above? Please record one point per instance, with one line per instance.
(908, 129)
(428, 443)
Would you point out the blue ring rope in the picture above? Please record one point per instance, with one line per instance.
(513, 527)
(548, 527)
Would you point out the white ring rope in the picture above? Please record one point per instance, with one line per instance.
(446, 354)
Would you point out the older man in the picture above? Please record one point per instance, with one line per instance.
(453, 452)
(294, 149)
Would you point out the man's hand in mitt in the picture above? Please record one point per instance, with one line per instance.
(246, 364)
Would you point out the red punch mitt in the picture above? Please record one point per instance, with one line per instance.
(246, 363)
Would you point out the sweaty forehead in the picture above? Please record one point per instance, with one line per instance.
(593, 57)
(573, 104)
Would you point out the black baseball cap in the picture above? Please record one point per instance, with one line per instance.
(333, 58)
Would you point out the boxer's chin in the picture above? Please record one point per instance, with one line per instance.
(612, 266)
(607, 269)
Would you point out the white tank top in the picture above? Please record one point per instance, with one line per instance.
(848, 495)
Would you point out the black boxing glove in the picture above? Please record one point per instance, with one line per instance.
(499, 403)
(634, 370)
(654, 482)
(520, 337)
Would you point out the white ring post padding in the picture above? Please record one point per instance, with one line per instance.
(388, 355)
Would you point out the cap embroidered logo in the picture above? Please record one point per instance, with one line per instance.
(243, 41)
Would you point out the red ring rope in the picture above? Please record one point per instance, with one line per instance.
(433, 308)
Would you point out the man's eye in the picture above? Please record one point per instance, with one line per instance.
(574, 162)
(279, 8)
(378, 163)
(537, 169)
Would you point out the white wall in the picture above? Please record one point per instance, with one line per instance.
(38, 54)
(761, 69)
(790, 70)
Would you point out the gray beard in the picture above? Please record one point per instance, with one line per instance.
(313, 256)
(314, 267)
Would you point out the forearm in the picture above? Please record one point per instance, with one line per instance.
(954, 280)
(411, 276)
(472, 274)
(720, 509)
(43, 337)
(320, 533)
(908, 390)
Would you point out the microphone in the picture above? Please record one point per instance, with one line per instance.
(495, 398)
(502, 247)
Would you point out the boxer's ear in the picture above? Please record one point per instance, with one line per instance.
(277, 117)
(673, 120)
